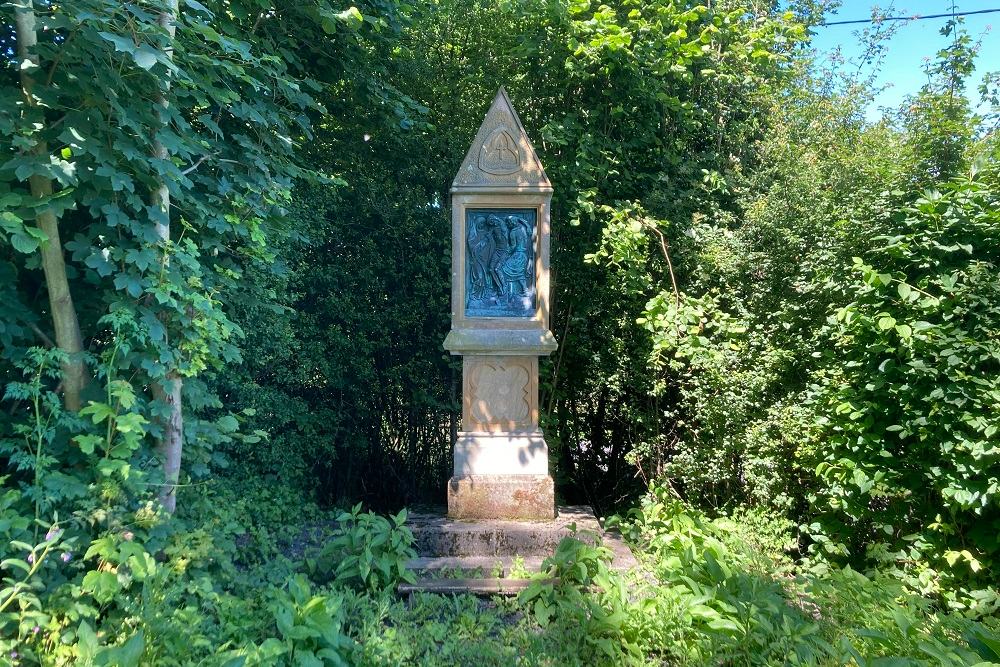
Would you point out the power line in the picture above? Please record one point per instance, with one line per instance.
(916, 17)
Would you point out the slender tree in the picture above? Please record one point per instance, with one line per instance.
(64, 316)
(169, 388)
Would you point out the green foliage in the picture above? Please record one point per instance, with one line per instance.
(908, 394)
(584, 603)
(938, 121)
(874, 431)
(742, 602)
(708, 591)
(209, 101)
(730, 594)
(228, 161)
(20, 606)
(626, 103)
(874, 620)
(367, 550)
(310, 629)
(767, 306)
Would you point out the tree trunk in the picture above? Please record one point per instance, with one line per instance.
(171, 443)
(168, 389)
(64, 318)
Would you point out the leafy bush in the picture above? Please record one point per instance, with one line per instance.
(310, 629)
(909, 397)
(368, 550)
(734, 600)
(730, 593)
(709, 182)
(874, 619)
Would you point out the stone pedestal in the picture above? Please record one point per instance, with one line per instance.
(500, 323)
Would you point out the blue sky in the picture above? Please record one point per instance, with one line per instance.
(913, 42)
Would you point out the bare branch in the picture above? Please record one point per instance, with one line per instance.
(666, 255)
(196, 164)
(41, 334)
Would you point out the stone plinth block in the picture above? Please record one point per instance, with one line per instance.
(500, 395)
(501, 454)
(501, 497)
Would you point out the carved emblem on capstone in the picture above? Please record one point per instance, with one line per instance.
(500, 153)
(500, 393)
(500, 262)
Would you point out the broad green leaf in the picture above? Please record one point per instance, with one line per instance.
(24, 243)
(98, 412)
(88, 443)
(145, 57)
(121, 43)
(102, 585)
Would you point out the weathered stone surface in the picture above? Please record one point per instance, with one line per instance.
(476, 552)
(501, 497)
(463, 586)
(501, 156)
(500, 322)
(499, 394)
(482, 566)
(438, 536)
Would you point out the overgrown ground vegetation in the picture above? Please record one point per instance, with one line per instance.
(224, 287)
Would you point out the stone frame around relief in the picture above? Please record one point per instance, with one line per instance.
(501, 279)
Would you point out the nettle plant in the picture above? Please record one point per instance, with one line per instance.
(909, 404)
(581, 598)
(310, 628)
(368, 551)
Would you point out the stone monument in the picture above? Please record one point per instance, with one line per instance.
(500, 323)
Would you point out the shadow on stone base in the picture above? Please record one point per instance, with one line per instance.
(501, 497)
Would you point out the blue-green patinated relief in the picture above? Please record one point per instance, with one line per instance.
(500, 262)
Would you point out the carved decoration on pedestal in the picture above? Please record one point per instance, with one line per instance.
(498, 389)
(501, 155)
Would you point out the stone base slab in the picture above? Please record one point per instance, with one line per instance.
(501, 497)
(480, 454)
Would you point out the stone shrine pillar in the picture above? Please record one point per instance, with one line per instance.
(500, 323)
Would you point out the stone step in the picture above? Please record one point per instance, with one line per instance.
(492, 586)
(437, 536)
(487, 565)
